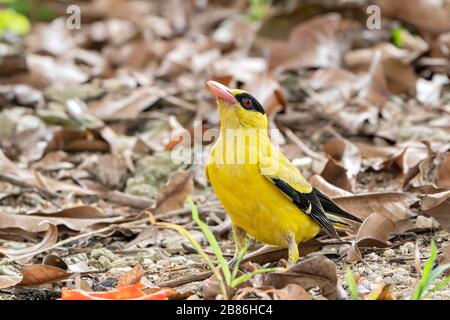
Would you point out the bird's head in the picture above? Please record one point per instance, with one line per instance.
(237, 108)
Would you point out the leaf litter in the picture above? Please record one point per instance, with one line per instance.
(89, 119)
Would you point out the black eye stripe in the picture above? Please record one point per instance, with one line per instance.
(255, 105)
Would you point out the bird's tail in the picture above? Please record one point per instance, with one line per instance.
(339, 218)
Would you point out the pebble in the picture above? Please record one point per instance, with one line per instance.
(423, 222)
(407, 249)
(388, 253)
(372, 256)
(398, 279)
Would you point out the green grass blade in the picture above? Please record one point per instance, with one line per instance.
(212, 241)
(239, 257)
(352, 286)
(425, 282)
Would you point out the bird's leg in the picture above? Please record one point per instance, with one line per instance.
(293, 254)
(240, 240)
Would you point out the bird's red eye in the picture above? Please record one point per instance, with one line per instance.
(247, 103)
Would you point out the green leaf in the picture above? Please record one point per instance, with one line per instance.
(397, 36)
(352, 286)
(239, 257)
(14, 22)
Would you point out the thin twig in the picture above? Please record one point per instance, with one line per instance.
(188, 279)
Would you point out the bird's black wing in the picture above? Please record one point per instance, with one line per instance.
(308, 203)
(329, 206)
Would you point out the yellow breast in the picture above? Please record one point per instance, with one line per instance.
(255, 204)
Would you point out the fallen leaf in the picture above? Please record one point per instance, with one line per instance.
(328, 188)
(77, 218)
(444, 258)
(50, 238)
(313, 43)
(39, 274)
(173, 195)
(375, 231)
(429, 16)
(395, 205)
(129, 107)
(318, 271)
(9, 281)
(131, 277)
(437, 205)
(344, 155)
(76, 141)
(290, 292)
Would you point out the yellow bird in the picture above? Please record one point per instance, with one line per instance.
(264, 194)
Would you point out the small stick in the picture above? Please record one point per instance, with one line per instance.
(188, 279)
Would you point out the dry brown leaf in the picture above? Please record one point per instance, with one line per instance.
(76, 141)
(375, 231)
(346, 155)
(315, 43)
(38, 274)
(433, 171)
(318, 271)
(35, 179)
(77, 218)
(9, 281)
(429, 16)
(328, 188)
(50, 238)
(111, 170)
(55, 261)
(131, 277)
(129, 107)
(337, 175)
(394, 205)
(290, 292)
(173, 195)
(445, 257)
(437, 206)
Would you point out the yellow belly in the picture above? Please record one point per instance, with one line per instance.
(259, 207)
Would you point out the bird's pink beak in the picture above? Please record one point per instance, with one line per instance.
(221, 92)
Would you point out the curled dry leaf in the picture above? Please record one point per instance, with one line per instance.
(173, 195)
(318, 271)
(437, 205)
(328, 188)
(336, 174)
(375, 231)
(78, 218)
(433, 172)
(131, 277)
(344, 164)
(50, 238)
